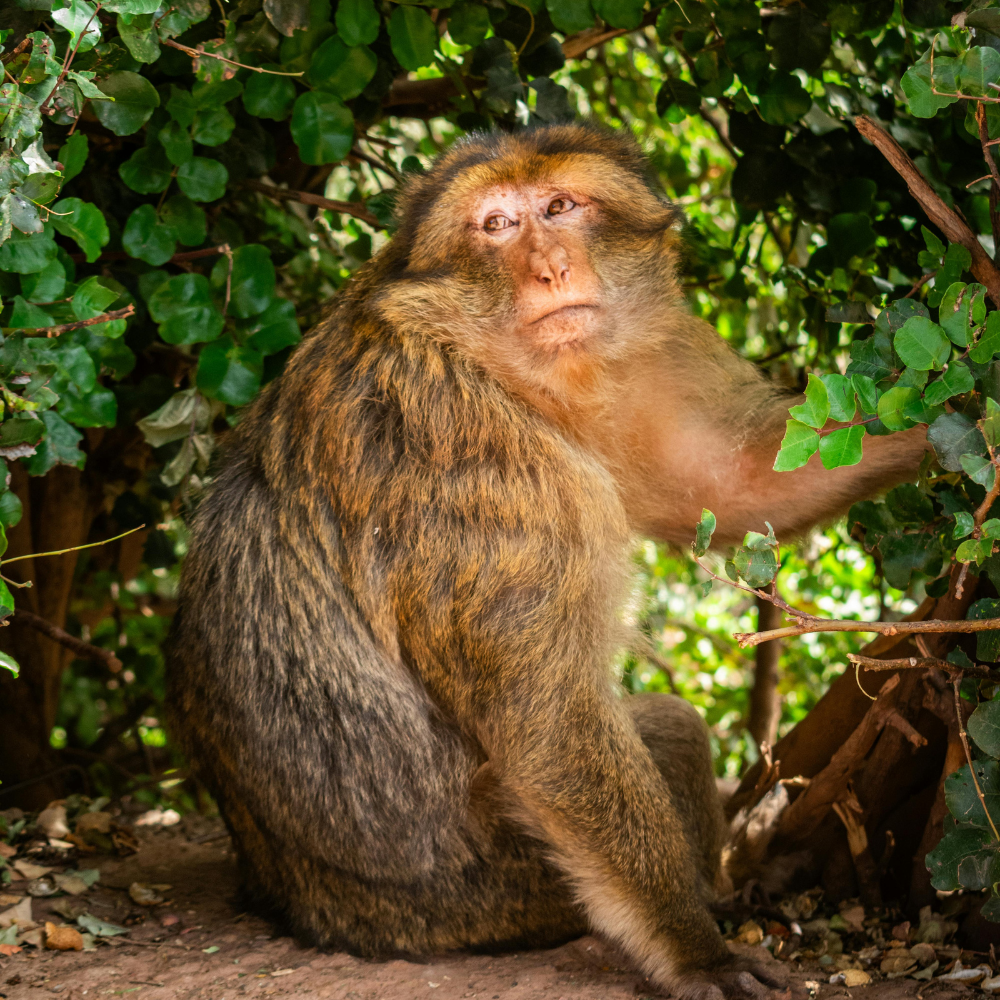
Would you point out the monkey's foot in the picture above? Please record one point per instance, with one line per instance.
(738, 979)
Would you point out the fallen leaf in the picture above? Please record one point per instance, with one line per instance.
(9, 949)
(169, 919)
(991, 985)
(72, 884)
(41, 887)
(854, 918)
(26, 869)
(212, 949)
(750, 933)
(145, 894)
(6, 851)
(856, 977)
(926, 973)
(62, 938)
(34, 937)
(97, 822)
(923, 953)
(897, 962)
(99, 928)
(52, 820)
(901, 932)
(959, 974)
(282, 972)
(8, 900)
(19, 914)
(69, 908)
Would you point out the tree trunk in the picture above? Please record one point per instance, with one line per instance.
(765, 704)
(57, 514)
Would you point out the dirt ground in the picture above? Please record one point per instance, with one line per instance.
(198, 945)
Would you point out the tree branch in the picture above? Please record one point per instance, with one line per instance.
(920, 662)
(945, 218)
(79, 258)
(304, 197)
(55, 331)
(78, 646)
(886, 628)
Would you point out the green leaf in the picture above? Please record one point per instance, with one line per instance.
(954, 435)
(228, 372)
(840, 391)
(891, 405)
(183, 308)
(181, 106)
(358, 22)
(268, 96)
(24, 254)
(960, 793)
(19, 114)
(468, 23)
(146, 238)
(625, 14)
(146, 171)
(322, 126)
(964, 523)
(27, 316)
(213, 127)
(988, 345)
(784, 100)
(984, 728)
(703, 532)
(202, 179)
(816, 409)
(176, 141)
(973, 550)
(956, 380)
(979, 470)
(987, 643)
(867, 392)
(83, 222)
(922, 344)
(134, 101)
(953, 313)
(8, 662)
(186, 219)
(59, 447)
(990, 424)
(340, 70)
(962, 856)
(414, 37)
(917, 87)
(99, 928)
(73, 155)
(252, 279)
(139, 36)
(798, 445)
(92, 298)
(570, 16)
(272, 330)
(978, 67)
(842, 447)
(80, 19)
(757, 559)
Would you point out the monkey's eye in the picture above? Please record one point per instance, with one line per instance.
(497, 222)
(560, 205)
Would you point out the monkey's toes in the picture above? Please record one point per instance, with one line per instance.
(740, 979)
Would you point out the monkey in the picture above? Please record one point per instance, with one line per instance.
(392, 658)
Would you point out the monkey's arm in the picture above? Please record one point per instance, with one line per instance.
(712, 443)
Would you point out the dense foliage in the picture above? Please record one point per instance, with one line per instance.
(183, 185)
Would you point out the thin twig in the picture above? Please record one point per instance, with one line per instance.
(885, 628)
(199, 52)
(83, 649)
(920, 662)
(918, 284)
(227, 250)
(306, 198)
(68, 61)
(374, 162)
(72, 548)
(55, 331)
(721, 133)
(176, 259)
(963, 736)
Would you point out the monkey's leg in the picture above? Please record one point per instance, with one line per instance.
(677, 737)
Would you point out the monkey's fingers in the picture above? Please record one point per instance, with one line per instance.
(740, 979)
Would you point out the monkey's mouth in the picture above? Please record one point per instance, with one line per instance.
(573, 311)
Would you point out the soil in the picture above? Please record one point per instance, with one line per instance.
(198, 945)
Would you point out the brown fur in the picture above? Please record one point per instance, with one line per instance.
(399, 609)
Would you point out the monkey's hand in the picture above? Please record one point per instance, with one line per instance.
(738, 978)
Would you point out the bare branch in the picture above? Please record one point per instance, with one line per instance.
(920, 663)
(945, 218)
(306, 198)
(55, 331)
(78, 646)
(964, 737)
(811, 624)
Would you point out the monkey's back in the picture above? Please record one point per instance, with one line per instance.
(345, 783)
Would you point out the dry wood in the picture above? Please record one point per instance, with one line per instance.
(307, 198)
(78, 646)
(945, 218)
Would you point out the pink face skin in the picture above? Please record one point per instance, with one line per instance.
(541, 233)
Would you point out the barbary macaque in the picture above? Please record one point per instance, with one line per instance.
(392, 659)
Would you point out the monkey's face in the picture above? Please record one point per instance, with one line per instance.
(544, 255)
(537, 235)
